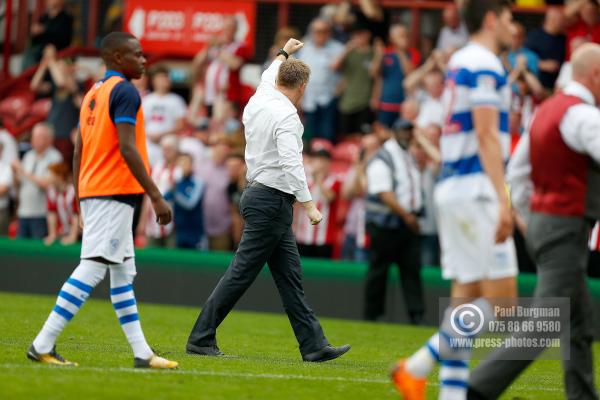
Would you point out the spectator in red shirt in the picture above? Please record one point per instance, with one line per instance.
(583, 20)
(221, 62)
(325, 187)
(63, 212)
(354, 190)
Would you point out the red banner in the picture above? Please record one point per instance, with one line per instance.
(183, 27)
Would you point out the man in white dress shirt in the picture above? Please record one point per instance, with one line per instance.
(276, 180)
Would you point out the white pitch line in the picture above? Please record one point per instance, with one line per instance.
(238, 375)
(204, 373)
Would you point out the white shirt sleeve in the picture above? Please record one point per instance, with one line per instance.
(6, 176)
(270, 75)
(379, 177)
(290, 157)
(518, 175)
(11, 150)
(580, 129)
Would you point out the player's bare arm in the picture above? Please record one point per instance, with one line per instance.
(132, 157)
(485, 119)
(77, 162)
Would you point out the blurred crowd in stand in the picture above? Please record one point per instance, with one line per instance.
(367, 85)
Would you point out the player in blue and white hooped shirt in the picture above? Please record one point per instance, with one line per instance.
(473, 206)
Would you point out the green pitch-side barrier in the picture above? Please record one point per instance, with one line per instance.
(194, 260)
(334, 288)
(188, 259)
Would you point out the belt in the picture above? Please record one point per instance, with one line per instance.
(290, 197)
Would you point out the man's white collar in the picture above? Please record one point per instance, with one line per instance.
(575, 88)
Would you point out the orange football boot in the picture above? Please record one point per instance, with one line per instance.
(410, 387)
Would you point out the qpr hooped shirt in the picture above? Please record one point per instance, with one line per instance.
(475, 78)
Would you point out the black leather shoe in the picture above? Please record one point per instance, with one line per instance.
(326, 353)
(212, 351)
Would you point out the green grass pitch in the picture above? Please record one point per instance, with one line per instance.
(262, 358)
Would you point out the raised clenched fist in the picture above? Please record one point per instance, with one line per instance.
(292, 46)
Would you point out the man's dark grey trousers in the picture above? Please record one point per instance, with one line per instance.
(559, 247)
(267, 238)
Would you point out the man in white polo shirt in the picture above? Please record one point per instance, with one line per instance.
(33, 177)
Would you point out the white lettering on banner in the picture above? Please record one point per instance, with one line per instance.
(208, 22)
(166, 20)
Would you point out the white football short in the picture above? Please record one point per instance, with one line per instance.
(469, 252)
(107, 230)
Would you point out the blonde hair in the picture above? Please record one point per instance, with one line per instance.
(293, 74)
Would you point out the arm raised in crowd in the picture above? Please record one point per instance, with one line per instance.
(38, 84)
(533, 83)
(572, 8)
(415, 78)
(60, 76)
(338, 63)
(233, 61)
(432, 152)
(371, 9)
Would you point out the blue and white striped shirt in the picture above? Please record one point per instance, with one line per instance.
(476, 78)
